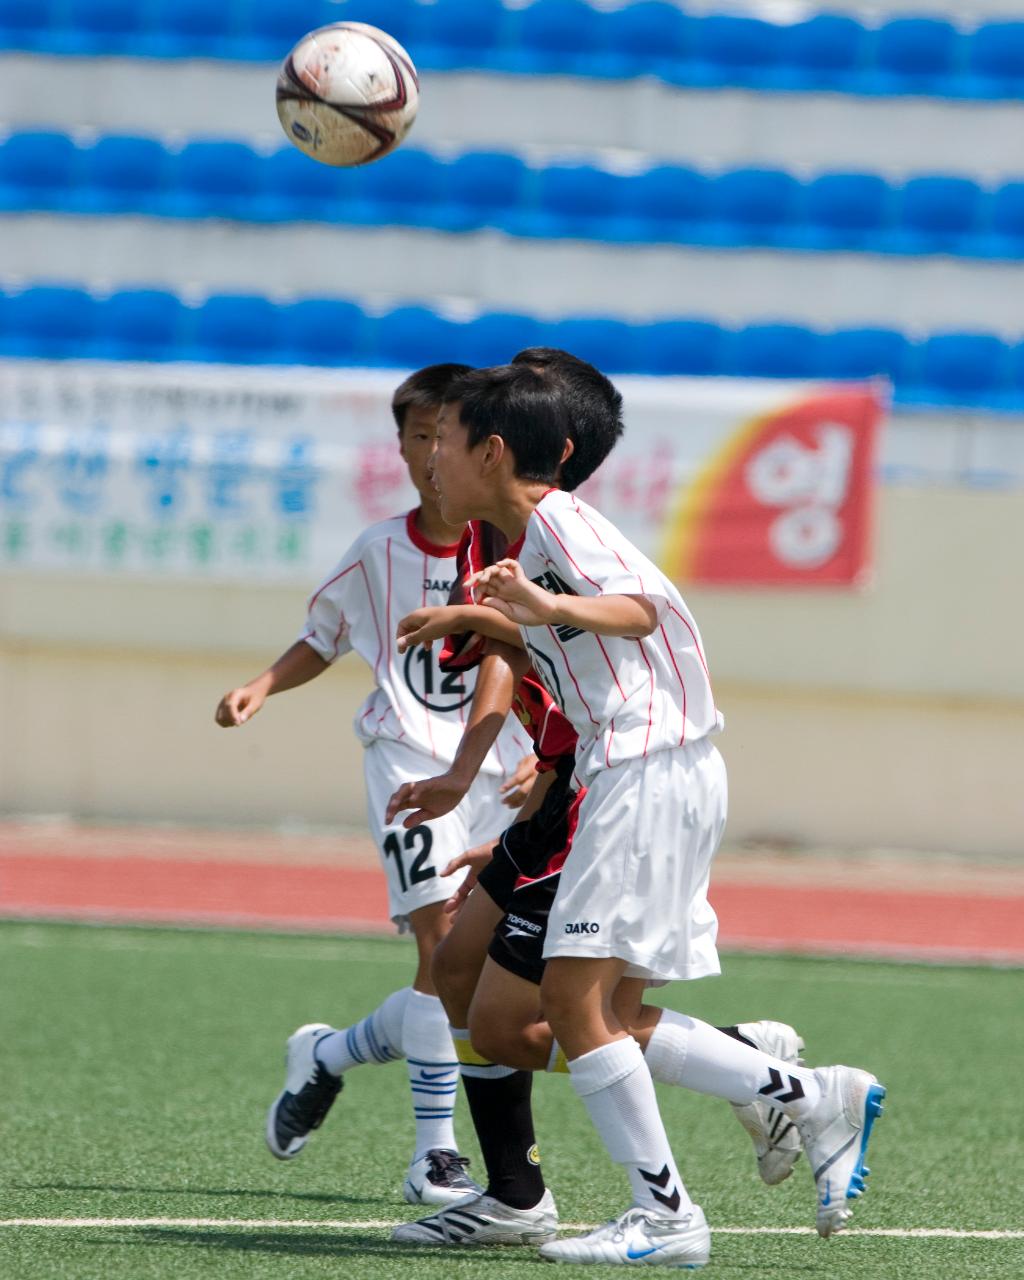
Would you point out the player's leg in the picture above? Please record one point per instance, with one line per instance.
(411, 1022)
(516, 1207)
(609, 1074)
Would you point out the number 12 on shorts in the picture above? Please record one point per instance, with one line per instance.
(418, 870)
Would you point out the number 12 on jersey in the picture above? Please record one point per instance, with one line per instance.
(418, 871)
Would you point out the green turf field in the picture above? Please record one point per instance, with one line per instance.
(137, 1065)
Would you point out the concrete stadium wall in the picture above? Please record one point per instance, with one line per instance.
(889, 718)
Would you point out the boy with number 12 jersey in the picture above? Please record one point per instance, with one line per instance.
(412, 721)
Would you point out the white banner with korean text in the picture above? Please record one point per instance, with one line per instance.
(267, 475)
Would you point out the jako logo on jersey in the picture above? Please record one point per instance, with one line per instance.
(437, 584)
(582, 926)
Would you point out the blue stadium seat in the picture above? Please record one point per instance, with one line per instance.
(236, 329)
(321, 331)
(27, 24)
(729, 49)
(214, 180)
(612, 345)
(37, 171)
(643, 39)
(558, 36)
(50, 322)
(825, 50)
(1008, 216)
(122, 175)
(496, 337)
(578, 200)
(103, 26)
(409, 337)
(140, 324)
(915, 53)
(405, 189)
(406, 20)
(938, 213)
(776, 351)
(996, 52)
(190, 29)
(295, 187)
(484, 188)
(965, 367)
(691, 347)
(269, 28)
(461, 33)
(670, 200)
(847, 209)
(865, 353)
(754, 203)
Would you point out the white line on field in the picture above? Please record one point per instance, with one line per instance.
(333, 1224)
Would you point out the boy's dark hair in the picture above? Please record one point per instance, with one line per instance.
(594, 410)
(525, 408)
(425, 389)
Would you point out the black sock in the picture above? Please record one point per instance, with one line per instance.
(737, 1034)
(503, 1119)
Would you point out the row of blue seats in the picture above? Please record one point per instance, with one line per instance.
(59, 322)
(125, 175)
(651, 37)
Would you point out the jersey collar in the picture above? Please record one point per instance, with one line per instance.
(441, 550)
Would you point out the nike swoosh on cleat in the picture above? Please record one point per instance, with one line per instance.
(642, 1253)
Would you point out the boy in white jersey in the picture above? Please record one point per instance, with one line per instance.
(619, 651)
(412, 721)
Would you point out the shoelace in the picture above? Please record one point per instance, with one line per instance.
(443, 1162)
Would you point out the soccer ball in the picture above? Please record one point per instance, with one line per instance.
(347, 94)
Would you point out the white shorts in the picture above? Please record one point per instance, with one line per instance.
(413, 859)
(635, 883)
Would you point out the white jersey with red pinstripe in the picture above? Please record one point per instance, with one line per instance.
(389, 571)
(625, 697)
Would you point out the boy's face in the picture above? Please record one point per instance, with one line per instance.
(416, 445)
(455, 468)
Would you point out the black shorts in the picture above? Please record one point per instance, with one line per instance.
(527, 851)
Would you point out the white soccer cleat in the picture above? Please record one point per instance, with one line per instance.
(482, 1220)
(439, 1177)
(836, 1137)
(775, 1137)
(639, 1238)
(308, 1093)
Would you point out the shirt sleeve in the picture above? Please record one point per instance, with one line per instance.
(329, 609)
(592, 558)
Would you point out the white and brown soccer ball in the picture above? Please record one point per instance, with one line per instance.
(347, 94)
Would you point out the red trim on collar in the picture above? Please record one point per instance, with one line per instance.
(441, 550)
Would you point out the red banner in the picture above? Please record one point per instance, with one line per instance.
(787, 499)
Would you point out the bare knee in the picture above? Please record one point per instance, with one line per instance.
(454, 979)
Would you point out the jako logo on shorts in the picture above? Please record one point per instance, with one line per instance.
(583, 926)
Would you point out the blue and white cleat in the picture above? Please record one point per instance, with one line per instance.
(836, 1137)
(308, 1094)
(639, 1239)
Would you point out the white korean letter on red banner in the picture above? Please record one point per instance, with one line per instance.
(787, 499)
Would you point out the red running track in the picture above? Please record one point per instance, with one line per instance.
(820, 919)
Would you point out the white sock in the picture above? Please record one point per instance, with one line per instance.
(433, 1072)
(618, 1092)
(686, 1052)
(376, 1039)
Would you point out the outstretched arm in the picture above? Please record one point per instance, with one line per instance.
(505, 587)
(297, 665)
(424, 626)
(501, 670)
